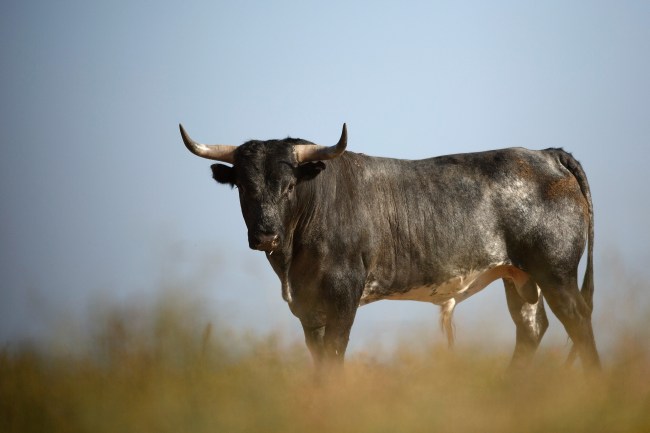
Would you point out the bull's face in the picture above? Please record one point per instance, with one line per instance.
(266, 174)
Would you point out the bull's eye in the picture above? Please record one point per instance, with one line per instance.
(290, 188)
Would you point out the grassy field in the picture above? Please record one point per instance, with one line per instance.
(160, 371)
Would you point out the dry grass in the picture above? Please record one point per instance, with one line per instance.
(165, 371)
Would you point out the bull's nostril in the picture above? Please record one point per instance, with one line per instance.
(265, 242)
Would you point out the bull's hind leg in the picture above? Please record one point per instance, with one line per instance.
(568, 305)
(531, 322)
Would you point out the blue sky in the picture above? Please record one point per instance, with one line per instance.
(102, 202)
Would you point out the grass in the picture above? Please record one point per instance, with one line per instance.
(166, 371)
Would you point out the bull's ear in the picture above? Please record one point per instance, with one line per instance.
(223, 174)
(309, 170)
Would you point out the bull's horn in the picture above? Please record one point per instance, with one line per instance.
(218, 152)
(308, 152)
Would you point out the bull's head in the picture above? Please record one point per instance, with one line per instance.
(266, 174)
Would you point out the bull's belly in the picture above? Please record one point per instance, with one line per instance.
(457, 288)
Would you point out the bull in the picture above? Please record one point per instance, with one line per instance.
(343, 229)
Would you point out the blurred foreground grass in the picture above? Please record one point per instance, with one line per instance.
(165, 370)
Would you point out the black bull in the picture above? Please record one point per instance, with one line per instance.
(343, 229)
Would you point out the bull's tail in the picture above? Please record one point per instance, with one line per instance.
(587, 290)
(571, 164)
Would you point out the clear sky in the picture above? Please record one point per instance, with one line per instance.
(102, 202)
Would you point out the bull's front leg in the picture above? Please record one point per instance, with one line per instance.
(328, 324)
(337, 336)
(341, 292)
(327, 336)
(313, 325)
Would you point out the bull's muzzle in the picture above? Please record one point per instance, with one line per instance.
(264, 242)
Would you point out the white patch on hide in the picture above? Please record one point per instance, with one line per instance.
(457, 288)
(286, 292)
(449, 293)
(529, 314)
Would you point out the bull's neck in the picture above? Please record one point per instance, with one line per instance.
(311, 213)
(318, 198)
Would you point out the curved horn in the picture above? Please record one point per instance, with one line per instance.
(218, 152)
(309, 152)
